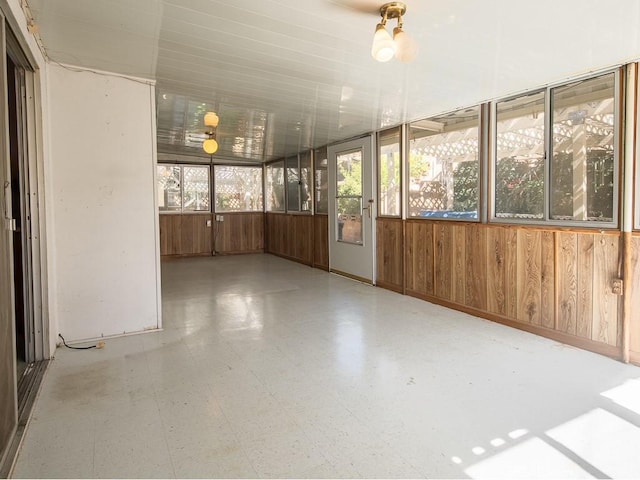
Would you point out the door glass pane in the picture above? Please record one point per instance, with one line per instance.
(195, 189)
(349, 197)
(519, 162)
(169, 199)
(389, 174)
(582, 173)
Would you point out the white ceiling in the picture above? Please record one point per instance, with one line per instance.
(287, 75)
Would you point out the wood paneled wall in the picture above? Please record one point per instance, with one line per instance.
(320, 242)
(389, 253)
(633, 290)
(555, 283)
(240, 233)
(291, 236)
(185, 234)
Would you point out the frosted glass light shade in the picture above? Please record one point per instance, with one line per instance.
(383, 46)
(211, 119)
(406, 48)
(210, 146)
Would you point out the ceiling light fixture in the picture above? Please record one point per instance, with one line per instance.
(211, 123)
(401, 45)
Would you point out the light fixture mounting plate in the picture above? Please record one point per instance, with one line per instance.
(393, 9)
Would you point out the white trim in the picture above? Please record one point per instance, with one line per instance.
(156, 208)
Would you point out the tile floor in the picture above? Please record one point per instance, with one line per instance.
(268, 368)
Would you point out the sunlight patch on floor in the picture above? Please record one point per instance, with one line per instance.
(626, 395)
(532, 458)
(604, 440)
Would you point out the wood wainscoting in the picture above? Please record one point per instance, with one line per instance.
(320, 242)
(239, 233)
(190, 235)
(290, 236)
(185, 234)
(633, 290)
(553, 282)
(389, 253)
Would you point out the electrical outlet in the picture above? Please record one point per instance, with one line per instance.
(617, 286)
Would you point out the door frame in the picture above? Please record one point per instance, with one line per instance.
(367, 143)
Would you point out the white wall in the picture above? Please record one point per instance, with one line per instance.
(102, 154)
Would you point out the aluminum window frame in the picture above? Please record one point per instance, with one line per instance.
(399, 131)
(265, 190)
(548, 155)
(316, 156)
(482, 160)
(182, 211)
(215, 183)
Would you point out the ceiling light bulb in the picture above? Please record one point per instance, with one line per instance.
(211, 119)
(210, 146)
(406, 48)
(383, 46)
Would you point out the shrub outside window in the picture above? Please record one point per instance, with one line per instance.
(275, 187)
(577, 123)
(238, 189)
(183, 188)
(389, 185)
(444, 166)
(519, 145)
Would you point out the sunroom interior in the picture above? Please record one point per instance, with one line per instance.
(495, 175)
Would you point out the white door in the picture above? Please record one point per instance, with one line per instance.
(351, 209)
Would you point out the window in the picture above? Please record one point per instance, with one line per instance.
(275, 187)
(444, 166)
(293, 184)
(389, 161)
(183, 188)
(583, 165)
(299, 182)
(576, 182)
(322, 181)
(519, 145)
(238, 189)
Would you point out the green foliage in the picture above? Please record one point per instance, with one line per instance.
(520, 187)
(419, 165)
(349, 183)
(465, 187)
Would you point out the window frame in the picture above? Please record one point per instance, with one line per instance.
(265, 179)
(399, 131)
(287, 159)
(480, 197)
(635, 182)
(548, 155)
(317, 154)
(215, 183)
(182, 211)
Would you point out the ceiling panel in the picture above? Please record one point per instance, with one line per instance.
(286, 75)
